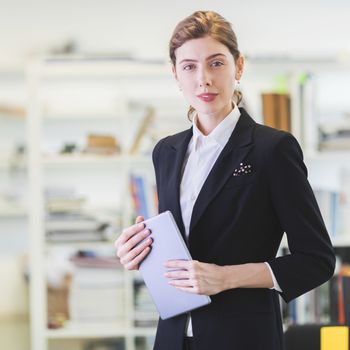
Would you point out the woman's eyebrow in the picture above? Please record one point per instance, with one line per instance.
(215, 55)
(207, 59)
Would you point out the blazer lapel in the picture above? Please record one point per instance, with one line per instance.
(236, 149)
(175, 162)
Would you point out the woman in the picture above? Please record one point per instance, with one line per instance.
(234, 187)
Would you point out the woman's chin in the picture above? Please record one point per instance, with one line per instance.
(209, 111)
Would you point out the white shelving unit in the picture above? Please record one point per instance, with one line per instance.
(132, 82)
(127, 83)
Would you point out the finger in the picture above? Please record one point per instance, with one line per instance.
(139, 219)
(136, 251)
(177, 274)
(134, 264)
(128, 233)
(182, 283)
(124, 248)
(184, 264)
(132, 242)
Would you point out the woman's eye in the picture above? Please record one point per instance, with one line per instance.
(216, 64)
(188, 67)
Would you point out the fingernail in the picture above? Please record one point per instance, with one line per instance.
(141, 225)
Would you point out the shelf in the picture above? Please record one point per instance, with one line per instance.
(11, 68)
(287, 63)
(7, 167)
(89, 330)
(79, 66)
(7, 162)
(98, 330)
(80, 159)
(6, 116)
(76, 160)
(80, 116)
(143, 331)
(80, 245)
(13, 212)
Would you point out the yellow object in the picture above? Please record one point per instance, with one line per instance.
(335, 338)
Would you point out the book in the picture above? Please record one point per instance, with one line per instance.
(339, 291)
(62, 205)
(145, 314)
(269, 112)
(66, 236)
(97, 289)
(72, 225)
(276, 110)
(284, 112)
(13, 111)
(102, 144)
(139, 196)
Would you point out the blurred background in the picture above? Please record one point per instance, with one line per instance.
(86, 91)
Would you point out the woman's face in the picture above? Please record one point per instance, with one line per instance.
(206, 73)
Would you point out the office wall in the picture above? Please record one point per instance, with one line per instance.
(144, 27)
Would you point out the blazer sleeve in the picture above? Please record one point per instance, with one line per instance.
(311, 261)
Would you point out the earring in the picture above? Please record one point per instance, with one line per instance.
(237, 85)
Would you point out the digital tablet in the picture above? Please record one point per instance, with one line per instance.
(168, 244)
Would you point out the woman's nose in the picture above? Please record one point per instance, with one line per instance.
(204, 78)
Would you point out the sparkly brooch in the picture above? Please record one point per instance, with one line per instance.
(243, 169)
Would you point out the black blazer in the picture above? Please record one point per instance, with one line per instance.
(241, 219)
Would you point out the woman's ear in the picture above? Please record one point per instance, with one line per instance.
(239, 67)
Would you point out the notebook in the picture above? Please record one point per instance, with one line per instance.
(168, 244)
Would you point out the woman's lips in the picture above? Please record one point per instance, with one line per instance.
(207, 97)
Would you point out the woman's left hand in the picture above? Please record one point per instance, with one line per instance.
(196, 277)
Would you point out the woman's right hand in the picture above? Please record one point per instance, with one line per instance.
(129, 254)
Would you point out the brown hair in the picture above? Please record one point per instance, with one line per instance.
(199, 25)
